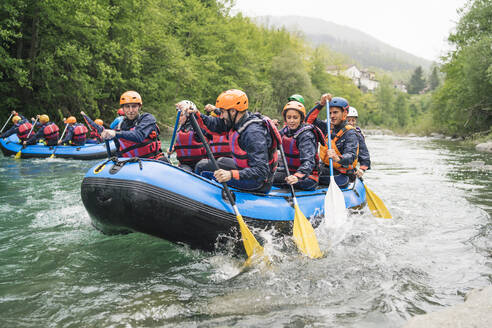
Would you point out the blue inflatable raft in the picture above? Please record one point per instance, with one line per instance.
(11, 146)
(165, 201)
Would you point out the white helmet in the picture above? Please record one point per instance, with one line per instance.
(353, 112)
(187, 104)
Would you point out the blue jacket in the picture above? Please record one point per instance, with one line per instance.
(15, 128)
(347, 144)
(364, 158)
(69, 135)
(144, 124)
(308, 148)
(40, 133)
(115, 123)
(255, 140)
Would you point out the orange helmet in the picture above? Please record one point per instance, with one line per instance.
(232, 99)
(130, 97)
(16, 119)
(295, 105)
(98, 121)
(44, 118)
(71, 120)
(121, 112)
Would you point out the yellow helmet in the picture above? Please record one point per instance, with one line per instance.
(16, 119)
(44, 118)
(71, 120)
(98, 121)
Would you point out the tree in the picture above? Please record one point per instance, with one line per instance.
(434, 79)
(464, 102)
(417, 82)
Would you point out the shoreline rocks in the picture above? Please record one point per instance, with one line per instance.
(476, 311)
(486, 147)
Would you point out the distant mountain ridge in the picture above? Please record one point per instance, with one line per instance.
(360, 46)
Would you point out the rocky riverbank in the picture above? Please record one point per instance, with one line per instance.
(475, 312)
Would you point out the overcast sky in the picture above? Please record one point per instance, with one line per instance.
(420, 27)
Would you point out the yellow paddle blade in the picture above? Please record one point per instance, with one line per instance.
(376, 205)
(251, 245)
(52, 156)
(18, 155)
(304, 235)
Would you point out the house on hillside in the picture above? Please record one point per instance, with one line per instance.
(399, 85)
(363, 79)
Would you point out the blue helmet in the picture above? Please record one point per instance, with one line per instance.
(339, 102)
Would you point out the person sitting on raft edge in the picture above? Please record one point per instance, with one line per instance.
(253, 140)
(364, 157)
(300, 143)
(344, 142)
(76, 133)
(48, 131)
(189, 148)
(21, 127)
(137, 135)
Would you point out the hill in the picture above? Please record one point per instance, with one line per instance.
(361, 47)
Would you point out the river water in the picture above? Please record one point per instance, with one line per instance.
(56, 270)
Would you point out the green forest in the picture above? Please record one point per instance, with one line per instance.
(61, 57)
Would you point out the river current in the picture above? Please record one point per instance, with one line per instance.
(56, 270)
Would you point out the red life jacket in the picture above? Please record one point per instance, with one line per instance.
(51, 131)
(240, 156)
(292, 152)
(94, 134)
(188, 150)
(23, 131)
(150, 147)
(220, 146)
(79, 131)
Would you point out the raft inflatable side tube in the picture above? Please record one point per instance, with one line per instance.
(161, 200)
(11, 146)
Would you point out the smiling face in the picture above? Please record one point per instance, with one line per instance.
(131, 111)
(292, 119)
(352, 120)
(336, 115)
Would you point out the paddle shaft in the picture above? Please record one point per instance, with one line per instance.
(61, 138)
(6, 122)
(178, 114)
(32, 128)
(211, 157)
(328, 125)
(286, 166)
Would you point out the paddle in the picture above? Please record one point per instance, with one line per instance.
(19, 153)
(61, 138)
(251, 245)
(303, 231)
(335, 211)
(376, 205)
(178, 114)
(6, 122)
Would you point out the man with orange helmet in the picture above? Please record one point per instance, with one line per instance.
(344, 141)
(48, 131)
(137, 135)
(300, 143)
(252, 138)
(76, 133)
(21, 126)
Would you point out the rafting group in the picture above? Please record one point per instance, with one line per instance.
(275, 173)
(231, 162)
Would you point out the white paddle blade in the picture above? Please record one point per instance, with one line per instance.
(335, 210)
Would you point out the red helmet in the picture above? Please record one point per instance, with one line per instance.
(121, 112)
